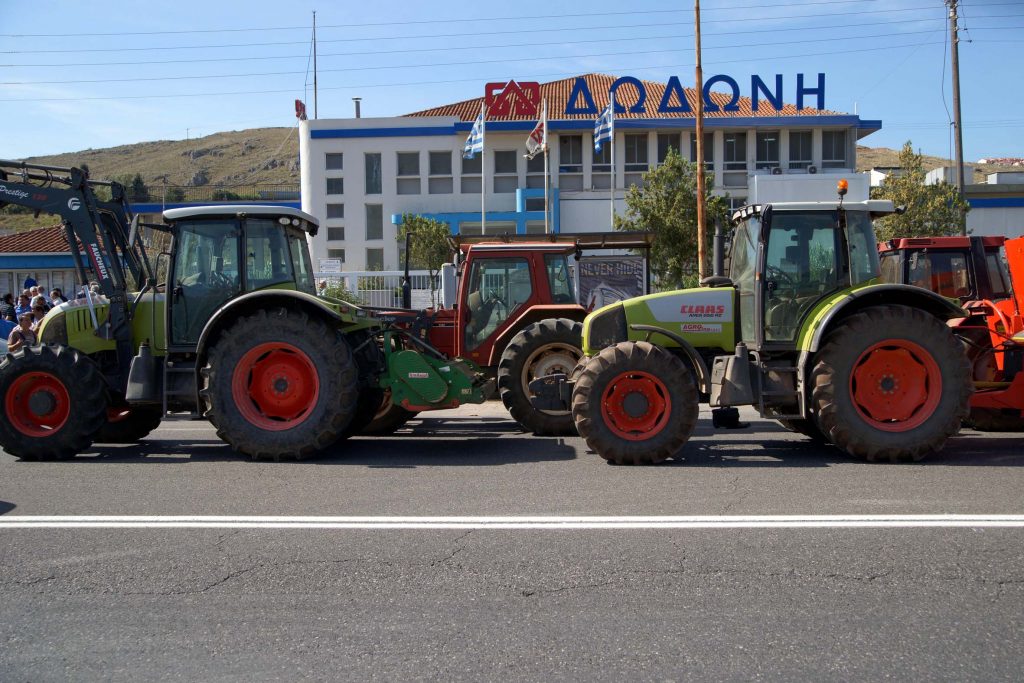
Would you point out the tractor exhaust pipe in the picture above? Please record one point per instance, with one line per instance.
(718, 250)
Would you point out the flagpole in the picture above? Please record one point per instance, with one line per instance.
(611, 141)
(483, 168)
(544, 116)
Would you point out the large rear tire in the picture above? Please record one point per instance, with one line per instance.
(54, 402)
(539, 349)
(635, 403)
(273, 399)
(130, 428)
(890, 383)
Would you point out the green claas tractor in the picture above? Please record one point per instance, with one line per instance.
(801, 328)
(230, 329)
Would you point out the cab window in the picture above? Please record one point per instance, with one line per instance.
(560, 280)
(498, 287)
(742, 270)
(268, 262)
(301, 263)
(205, 275)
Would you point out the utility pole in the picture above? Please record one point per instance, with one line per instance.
(701, 248)
(957, 123)
(316, 110)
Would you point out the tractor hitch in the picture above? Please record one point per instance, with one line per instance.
(551, 392)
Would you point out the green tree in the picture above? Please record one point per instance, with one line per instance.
(428, 246)
(137, 191)
(666, 204)
(931, 210)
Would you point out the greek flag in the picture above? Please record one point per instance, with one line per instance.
(475, 141)
(604, 128)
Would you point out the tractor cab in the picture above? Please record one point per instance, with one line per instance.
(965, 268)
(221, 252)
(500, 283)
(787, 257)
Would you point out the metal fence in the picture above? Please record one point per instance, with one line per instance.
(171, 194)
(384, 287)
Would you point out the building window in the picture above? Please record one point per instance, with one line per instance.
(833, 149)
(335, 186)
(336, 253)
(375, 259)
(570, 162)
(601, 169)
(767, 150)
(667, 141)
(374, 222)
(335, 162)
(471, 182)
(709, 150)
(408, 181)
(335, 210)
(800, 149)
(336, 234)
(735, 152)
(373, 184)
(440, 180)
(636, 159)
(535, 172)
(506, 171)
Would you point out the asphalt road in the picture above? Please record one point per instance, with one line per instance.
(522, 604)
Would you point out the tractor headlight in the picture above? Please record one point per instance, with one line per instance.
(605, 327)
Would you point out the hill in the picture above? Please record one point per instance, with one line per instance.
(266, 156)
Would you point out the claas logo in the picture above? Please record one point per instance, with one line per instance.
(708, 311)
(512, 99)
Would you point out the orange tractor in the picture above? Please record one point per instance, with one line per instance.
(986, 274)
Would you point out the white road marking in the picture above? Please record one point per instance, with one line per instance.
(511, 522)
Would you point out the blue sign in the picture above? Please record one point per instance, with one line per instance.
(674, 99)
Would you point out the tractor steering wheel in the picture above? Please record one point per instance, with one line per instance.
(219, 279)
(776, 272)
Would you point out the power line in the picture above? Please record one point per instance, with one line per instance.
(437, 21)
(476, 33)
(447, 48)
(457, 80)
(531, 58)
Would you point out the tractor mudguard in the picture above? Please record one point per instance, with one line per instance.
(833, 309)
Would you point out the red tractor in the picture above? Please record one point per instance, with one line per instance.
(514, 315)
(986, 274)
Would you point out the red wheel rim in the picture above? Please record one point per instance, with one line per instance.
(37, 404)
(275, 386)
(896, 385)
(636, 406)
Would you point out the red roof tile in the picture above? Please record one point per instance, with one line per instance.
(40, 241)
(557, 94)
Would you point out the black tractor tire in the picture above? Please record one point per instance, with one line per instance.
(901, 341)
(389, 418)
(645, 431)
(280, 385)
(367, 405)
(808, 428)
(539, 349)
(54, 402)
(132, 428)
(993, 420)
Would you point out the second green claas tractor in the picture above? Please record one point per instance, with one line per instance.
(225, 324)
(801, 328)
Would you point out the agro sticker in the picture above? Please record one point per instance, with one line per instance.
(701, 328)
(419, 375)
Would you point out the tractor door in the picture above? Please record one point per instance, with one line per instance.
(496, 289)
(205, 272)
(801, 265)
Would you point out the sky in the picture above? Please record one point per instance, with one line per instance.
(76, 75)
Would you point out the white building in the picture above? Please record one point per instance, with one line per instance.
(360, 175)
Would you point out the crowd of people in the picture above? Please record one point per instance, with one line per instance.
(20, 318)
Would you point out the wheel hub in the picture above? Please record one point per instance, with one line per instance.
(275, 386)
(41, 403)
(896, 385)
(636, 405)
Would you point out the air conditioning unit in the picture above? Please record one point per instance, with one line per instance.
(812, 169)
(776, 171)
